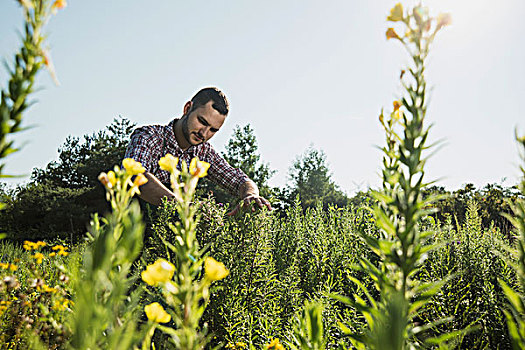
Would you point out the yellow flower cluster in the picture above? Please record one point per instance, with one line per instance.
(59, 4)
(169, 163)
(28, 245)
(39, 257)
(132, 166)
(8, 266)
(3, 306)
(199, 168)
(156, 313)
(159, 272)
(46, 289)
(275, 344)
(418, 14)
(237, 345)
(214, 270)
(61, 250)
(62, 304)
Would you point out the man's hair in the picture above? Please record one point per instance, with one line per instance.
(220, 103)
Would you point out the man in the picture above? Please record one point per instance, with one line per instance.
(187, 138)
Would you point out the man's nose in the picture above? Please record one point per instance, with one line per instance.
(206, 132)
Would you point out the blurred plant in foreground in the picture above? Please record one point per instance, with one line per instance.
(516, 315)
(34, 296)
(186, 294)
(105, 311)
(401, 246)
(27, 63)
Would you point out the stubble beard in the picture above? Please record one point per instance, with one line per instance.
(185, 131)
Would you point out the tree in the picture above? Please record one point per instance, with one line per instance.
(59, 199)
(241, 152)
(311, 180)
(81, 160)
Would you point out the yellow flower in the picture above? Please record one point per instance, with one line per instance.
(63, 253)
(168, 163)
(59, 4)
(39, 257)
(52, 254)
(156, 313)
(103, 178)
(132, 166)
(159, 272)
(214, 270)
(397, 115)
(40, 244)
(140, 180)
(443, 19)
(8, 266)
(45, 288)
(198, 168)
(28, 245)
(397, 105)
(112, 178)
(396, 13)
(391, 34)
(275, 344)
(240, 345)
(59, 246)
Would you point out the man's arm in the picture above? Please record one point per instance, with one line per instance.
(153, 191)
(249, 193)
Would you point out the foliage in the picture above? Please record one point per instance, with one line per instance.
(35, 295)
(276, 265)
(476, 257)
(80, 160)
(515, 314)
(178, 281)
(311, 181)
(492, 200)
(59, 200)
(401, 206)
(105, 311)
(27, 62)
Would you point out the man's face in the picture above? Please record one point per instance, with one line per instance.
(201, 124)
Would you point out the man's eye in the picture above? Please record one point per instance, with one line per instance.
(203, 122)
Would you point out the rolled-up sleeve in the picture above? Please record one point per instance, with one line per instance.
(223, 174)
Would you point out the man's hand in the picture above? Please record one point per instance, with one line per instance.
(247, 201)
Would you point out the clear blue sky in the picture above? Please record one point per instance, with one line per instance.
(300, 72)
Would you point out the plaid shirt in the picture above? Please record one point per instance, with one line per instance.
(149, 143)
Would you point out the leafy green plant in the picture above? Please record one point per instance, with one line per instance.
(35, 295)
(475, 257)
(178, 281)
(28, 61)
(515, 314)
(401, 206)
(309, 330)
(105, 310)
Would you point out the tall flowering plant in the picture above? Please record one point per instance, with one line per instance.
(105, 308)
(185, 281)
(401, 245)
(31, 57)
(515, 314)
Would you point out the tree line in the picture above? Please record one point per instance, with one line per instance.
(59, 199)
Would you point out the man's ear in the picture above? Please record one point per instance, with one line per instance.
(187, 107)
